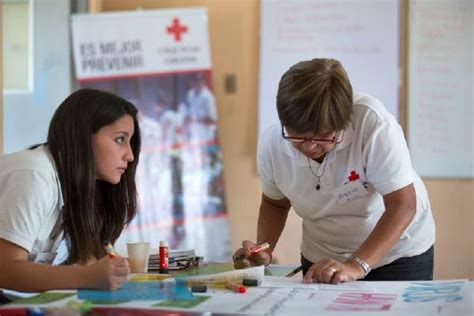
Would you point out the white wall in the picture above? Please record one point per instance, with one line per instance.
(26, 116)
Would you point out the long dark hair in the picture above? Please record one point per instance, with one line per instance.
(94, 211)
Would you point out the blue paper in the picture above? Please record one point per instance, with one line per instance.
(145, 291)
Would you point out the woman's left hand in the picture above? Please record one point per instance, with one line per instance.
(334, 272)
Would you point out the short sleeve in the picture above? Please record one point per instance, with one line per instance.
(26, 199)
(265, 165)
(386, 155)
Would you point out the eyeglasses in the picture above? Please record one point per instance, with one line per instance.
(337, 139)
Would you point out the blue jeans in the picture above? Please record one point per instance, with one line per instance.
(416, 268)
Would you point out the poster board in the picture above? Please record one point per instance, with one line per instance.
(440, 88)
(160, 61)
(362, 34)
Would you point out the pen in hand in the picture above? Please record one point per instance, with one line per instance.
(293, 272)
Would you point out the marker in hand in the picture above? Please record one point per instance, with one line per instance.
(109, 249)
(256, 249)
(259, 248)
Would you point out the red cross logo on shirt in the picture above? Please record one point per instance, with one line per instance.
(176, 29)
(353, 176)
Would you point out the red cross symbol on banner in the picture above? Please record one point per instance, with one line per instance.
(176, 29)
(353, 176)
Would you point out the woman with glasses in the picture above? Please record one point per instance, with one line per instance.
(340, 160)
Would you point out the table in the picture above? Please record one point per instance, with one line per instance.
(277, 295)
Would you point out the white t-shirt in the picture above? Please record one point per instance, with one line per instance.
(31, 202)
(372, 160)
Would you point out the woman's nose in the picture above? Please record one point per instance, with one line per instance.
(129, 154)
(309, 145)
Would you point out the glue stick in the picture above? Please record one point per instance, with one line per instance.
(163, 256)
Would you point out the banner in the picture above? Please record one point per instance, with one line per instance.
(160, 61)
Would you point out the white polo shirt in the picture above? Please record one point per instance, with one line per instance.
(372, 160)
(31, 202)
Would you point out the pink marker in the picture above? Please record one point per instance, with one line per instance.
(255, 250)
(259, 248)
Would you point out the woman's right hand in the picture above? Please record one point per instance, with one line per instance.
(108, 273)
(244, 259)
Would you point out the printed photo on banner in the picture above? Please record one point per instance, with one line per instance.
(167, 74)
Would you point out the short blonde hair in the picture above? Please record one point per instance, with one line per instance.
(315, 96)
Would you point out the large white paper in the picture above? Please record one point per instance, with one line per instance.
(362, 34)
(407, 298)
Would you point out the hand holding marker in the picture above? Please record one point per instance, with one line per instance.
(259, 248)
(256, 249)
(109, 249)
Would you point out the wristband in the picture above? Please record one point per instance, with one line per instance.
(364, 265)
